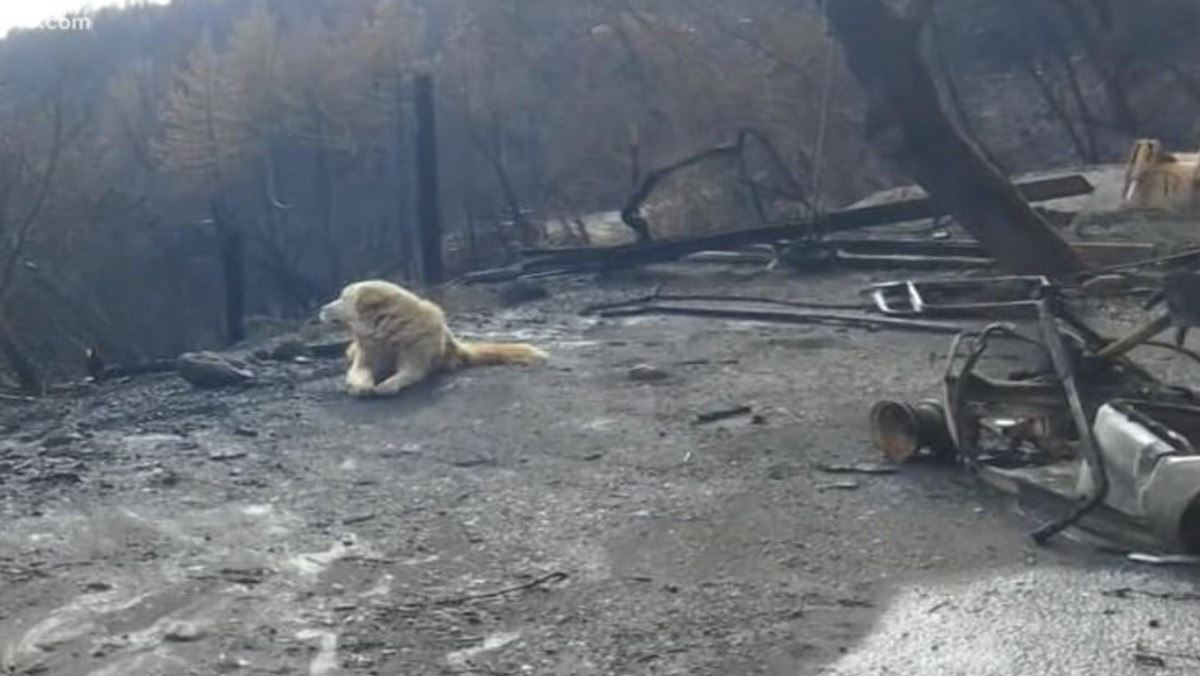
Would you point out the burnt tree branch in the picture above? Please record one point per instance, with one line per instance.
(1107, 54)
(1033, 21)
(493, 151)
(631, 212)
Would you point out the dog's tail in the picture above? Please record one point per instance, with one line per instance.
(468, 353)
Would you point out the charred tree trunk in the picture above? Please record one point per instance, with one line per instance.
(1093, 23)
(402, 177)
(1186, 82)
(908, 126)
(323, 187)
(492, 148)
(472, 241)
(18, 233)
(429, 212)
(232, 274)
(1085, 152)
(1033, 21)
(232, 255)
(962, 115)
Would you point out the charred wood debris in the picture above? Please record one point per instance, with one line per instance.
(1080, 429)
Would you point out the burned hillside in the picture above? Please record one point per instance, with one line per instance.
(119, 193)
(832, 337)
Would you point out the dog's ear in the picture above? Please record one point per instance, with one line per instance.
(369, 302)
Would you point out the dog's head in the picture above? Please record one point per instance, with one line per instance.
(358, 303)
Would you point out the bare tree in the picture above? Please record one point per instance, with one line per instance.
(1036, 33)
(204, 142)
(26, 182)
(1094, 24)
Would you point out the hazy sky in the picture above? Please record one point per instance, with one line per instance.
(31, 13)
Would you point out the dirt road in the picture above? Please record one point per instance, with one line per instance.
(562, 519)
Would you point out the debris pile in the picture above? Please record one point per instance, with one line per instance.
(1079, 422)
(809, 240)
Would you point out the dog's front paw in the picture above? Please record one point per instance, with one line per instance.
(360, 383)
(386, 389)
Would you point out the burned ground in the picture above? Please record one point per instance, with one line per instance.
(563, 519)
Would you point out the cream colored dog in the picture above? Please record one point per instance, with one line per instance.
(399, 338)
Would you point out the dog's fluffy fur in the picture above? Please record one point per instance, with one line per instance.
(399, 339)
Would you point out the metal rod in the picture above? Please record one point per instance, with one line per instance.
(785, 317)
(1091, 454)
(719, 298)
(1148, 331)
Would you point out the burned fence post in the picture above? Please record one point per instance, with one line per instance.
(429, 217)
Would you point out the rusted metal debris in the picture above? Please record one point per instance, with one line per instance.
(1080, 423)
(900, 430)
(987, 297)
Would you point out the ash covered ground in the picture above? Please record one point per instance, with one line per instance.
(560, 519)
